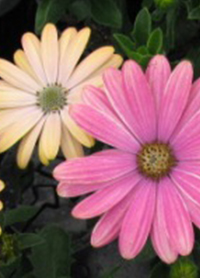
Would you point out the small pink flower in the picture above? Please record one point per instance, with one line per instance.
(149, 184)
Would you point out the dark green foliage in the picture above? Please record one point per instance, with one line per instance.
(106, 12)
(49, 11)
(52, 259)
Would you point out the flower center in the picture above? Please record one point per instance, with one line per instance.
(155, 160)
(52, 98)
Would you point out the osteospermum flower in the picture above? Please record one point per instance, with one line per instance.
(149, 184)
(35, 94)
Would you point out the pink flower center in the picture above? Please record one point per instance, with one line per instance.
(155, 160)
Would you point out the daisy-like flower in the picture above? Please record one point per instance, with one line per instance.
(149, 184)
(36, 92)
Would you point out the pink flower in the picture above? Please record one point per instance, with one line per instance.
(149, 184)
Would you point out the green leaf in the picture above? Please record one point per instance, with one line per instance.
(184, 268)
(142, 27)
(81, 9)
(155, 41)
(49, 11)
(194, 14)
(171, 23)
(126, 44)
(165, 4)
(145, 60)
(7, 5)
(143, 50)
(53, 258)
(20, 214)
(147, 3)
(29, 240)
(8, 268)
(160, 270)
(106, 12)
(136, 56)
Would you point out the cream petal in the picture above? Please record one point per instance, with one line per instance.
(49, 48)
(28, 143)
(32, 48)
(15, 98)
(75, 50)
(94, 79)
(89, 65)
(22, 62)
(115, 62)
(17, 77)
(13, 133)
(41, 153)
(64, 42)
(70, 146)
(78, 133)
(14, 115)
(75, 95)
(51, 136)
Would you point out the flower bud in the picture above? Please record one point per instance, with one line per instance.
(184, 268)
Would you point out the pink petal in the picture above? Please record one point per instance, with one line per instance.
(141, 101)
(138, 220)
(157, 74)
(105, 199)
(116, 95)
(192, 106)
(186, 141)
(67, 189)
(96, 98)
(110, 164)
(159, 235)
(194, 212)
(186, 177)
(104, 128)
(174, 99)
(177, 218)
(108, 227)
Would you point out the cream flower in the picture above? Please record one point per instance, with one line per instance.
(35, 94)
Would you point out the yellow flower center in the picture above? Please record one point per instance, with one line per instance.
(52, 98)
(155, 160)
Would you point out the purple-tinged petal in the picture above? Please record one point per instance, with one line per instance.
(104, 127)
(157, 74)
(137, 222)
(174, 100)
(177, 218)
(141, 100)
(109, 165)
(103, 200)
